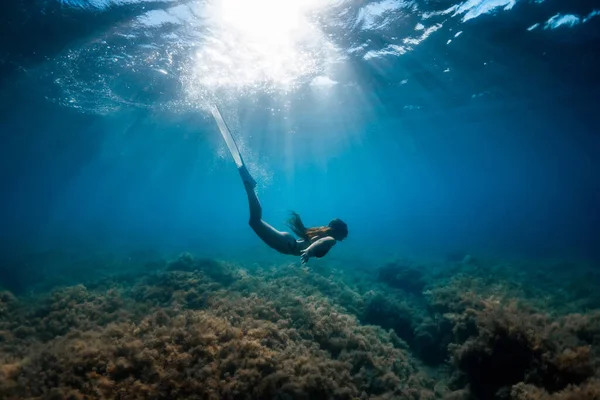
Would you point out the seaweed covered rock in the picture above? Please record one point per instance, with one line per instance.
(7, 301)
(288, 332)
(218, 271)
(390, 313)
(516, 345)
(587, 391)
(194, 355)
(140, 342)
(188, 289)
(505, 349)
(431, 339)
(8, 319)
(400, 275)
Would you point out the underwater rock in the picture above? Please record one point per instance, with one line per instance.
(431, 340)
(390, 313)
(587, 391)
(174, 287)
(185, 262)
(292, 333)
(7, 298)
(218, 271)
(497, 343)
(401, 276)
(276, 345)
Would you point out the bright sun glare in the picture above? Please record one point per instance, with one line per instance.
(261, 44)
(267, 20)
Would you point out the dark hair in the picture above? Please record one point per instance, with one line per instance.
(297, 226)
(340, 228)
(336, 228)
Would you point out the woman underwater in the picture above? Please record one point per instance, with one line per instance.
(311, 242)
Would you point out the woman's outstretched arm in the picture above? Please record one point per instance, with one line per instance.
(318, 248)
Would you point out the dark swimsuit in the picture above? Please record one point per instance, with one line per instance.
(295, 247)
(320, 253)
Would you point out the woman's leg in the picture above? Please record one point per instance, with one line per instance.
(283, 242)
(280, 241)
(253, 204)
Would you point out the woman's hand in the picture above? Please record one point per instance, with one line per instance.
(317, 249)
(304, 256)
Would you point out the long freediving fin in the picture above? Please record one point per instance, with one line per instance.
(233, 149)
(232, 146)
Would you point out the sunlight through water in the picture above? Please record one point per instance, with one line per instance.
(260, 45)
(185, 55)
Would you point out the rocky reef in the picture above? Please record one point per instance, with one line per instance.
(196, 328)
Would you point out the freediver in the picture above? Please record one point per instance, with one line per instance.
(311, 242)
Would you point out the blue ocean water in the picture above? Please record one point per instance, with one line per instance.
(431, 127)
(459, 141)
